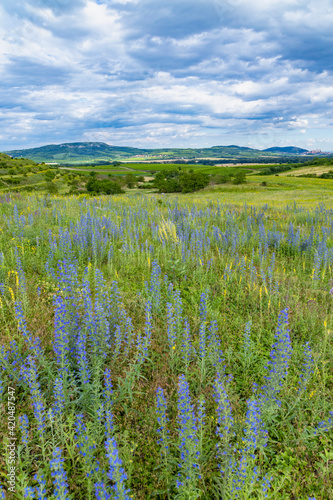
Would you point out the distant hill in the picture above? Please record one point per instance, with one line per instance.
(91, 152)
(292, 150)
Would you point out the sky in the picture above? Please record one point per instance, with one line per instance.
(167, 73)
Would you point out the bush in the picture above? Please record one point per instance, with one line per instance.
(220, 179)
(106, 186)
(179, 182)
(130, 181)
(240, 178)
(51, 188)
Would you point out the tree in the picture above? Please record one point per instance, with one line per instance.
(193, 181)
(51, 188)
(130, 180)
(240, 177)
(106, 186)
(49, 175)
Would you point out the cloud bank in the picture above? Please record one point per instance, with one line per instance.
(176, 73)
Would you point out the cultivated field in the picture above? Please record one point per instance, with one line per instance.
(169, 347)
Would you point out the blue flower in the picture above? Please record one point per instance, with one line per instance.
(40, 489)
(59, 476)
(24, 427)
(161, 407)
(36, 395)
(59, 396)
(203, 308)
(324, 425)
(101, 492)
(116, 472)
(188, 439)
(278, 364)
(61, 344)
(255, 433)
(225, 418)
(29, 492)
(108, 391)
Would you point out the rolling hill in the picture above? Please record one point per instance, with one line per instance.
(92, 152)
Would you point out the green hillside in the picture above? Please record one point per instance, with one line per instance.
(99, 152)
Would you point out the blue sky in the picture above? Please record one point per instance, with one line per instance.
(175, 73)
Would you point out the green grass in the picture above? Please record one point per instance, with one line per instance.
(242, 281)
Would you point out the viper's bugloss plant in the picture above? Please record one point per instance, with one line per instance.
(59, 476)
(59, 396)
(278, 364)
(41, 492)
(36, 395)
(101, 492)
(161, 408)
(24, 428)
(116, 472)
(61, 344)
(225, 418)
(29, 493)
(189, 472)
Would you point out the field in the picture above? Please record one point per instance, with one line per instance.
(147, 168)
(168, 347)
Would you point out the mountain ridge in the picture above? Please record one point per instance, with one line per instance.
(93, 151)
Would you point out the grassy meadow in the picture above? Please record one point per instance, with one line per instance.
(168, 347)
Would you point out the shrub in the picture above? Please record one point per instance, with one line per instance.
(106, 186)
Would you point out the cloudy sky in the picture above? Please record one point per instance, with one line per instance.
(167, 73)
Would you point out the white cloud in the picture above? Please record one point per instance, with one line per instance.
(130, 71)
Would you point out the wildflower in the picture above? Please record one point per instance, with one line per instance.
(82, 357)
(266, 484)
(108, 391)
(188, 440)
(161, 407)
(101, 492)
(2, 493)
(61, 334)
(29, 492)
(225, 419)
(59, 475)
(40, 489)
(59, 396)
(144, 342)
(202, 341)
(324, 425)
(24, 428)
(255, 432)
(86, 445)
(201, 420)
(116, 472)
(36, 396)
(203, 308)
(279, 362)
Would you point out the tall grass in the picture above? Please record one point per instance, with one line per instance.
(164, 347)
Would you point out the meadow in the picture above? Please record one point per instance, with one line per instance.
(168, 347)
